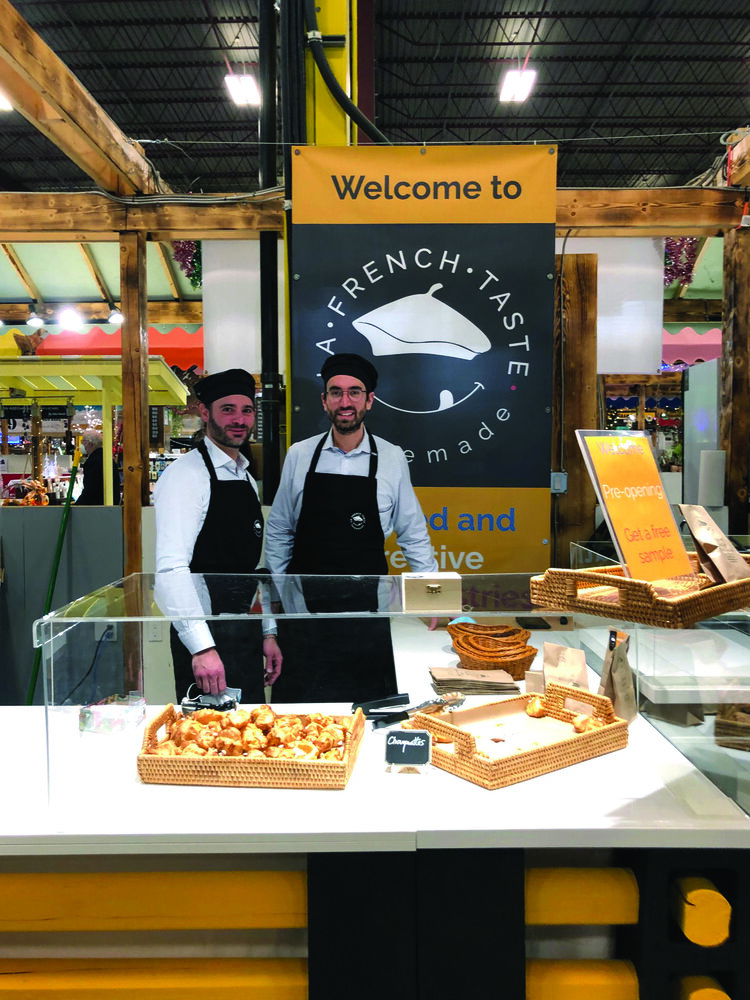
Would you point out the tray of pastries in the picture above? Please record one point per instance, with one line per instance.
(250, 747)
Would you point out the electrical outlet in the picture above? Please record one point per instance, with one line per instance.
(106, 629)
(154, 631)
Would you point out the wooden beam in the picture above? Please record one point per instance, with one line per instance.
(38, 218)
(167, 263)
(574, 382)
(692, 310)
(26, 280)
(96, 274)
(163, 313)
(739, 163)
(734, 422)
(42, 88)
(91, 217)
(134, 394)
(647, 211)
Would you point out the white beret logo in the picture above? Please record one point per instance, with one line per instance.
(258, 528)
(357, 521)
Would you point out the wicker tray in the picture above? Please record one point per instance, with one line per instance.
(493, 647)
(244, 772)
(732, 727)
(607, 592)
(456, 629)
(558, 745)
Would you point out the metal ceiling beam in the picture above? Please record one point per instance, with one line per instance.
(47, 94)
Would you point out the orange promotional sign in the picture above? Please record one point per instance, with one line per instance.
(626, 478)
(377, 185)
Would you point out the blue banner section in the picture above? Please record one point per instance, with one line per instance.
(458, 320)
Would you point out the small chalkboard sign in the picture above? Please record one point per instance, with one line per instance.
(408, 747)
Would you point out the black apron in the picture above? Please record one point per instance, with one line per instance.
(338, 533)
(229, 542)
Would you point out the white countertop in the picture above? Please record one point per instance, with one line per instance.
(647, 795)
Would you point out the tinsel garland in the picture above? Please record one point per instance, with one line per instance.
(680, 254)
(188, 255)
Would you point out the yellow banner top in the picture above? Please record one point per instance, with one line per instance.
(375, 185)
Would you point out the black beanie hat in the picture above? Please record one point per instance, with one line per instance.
(350, 364)
(232, 382)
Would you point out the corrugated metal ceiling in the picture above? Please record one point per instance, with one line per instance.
(637, 93)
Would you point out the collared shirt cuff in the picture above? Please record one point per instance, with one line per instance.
(269, 627)
(196, 637)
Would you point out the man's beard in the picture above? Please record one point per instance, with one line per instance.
(351, 425)
(219, 435)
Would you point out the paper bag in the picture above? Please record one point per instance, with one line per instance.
(617, 677)
(718, 558)
(565, 665)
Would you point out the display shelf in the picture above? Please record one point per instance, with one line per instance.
(708, 665)
(647, 795)
(417, 834)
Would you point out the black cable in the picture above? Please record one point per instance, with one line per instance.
(315, 43)
(94, 661)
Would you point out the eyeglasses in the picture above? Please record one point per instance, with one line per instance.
(354, 394)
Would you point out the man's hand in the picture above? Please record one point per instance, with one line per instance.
(208, 671)
(273, 658)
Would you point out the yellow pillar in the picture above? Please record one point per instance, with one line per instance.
(701, 911)
(327, 124)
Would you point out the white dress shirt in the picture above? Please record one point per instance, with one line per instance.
(397, 502)
(181, 498)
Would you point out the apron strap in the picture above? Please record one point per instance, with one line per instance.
(201, 446)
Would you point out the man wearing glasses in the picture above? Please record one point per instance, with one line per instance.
(209, 521)
(339, 498)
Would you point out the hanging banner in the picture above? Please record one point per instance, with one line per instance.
(437, 264)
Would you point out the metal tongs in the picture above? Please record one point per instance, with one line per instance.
(381, 712)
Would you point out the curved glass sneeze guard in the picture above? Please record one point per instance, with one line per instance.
(118, 640)
(149, 597)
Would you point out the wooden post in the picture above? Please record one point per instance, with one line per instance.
(134, 393)
(574, 397)
(36, 445)
(135, 440)
(734, 424)
(107, 480)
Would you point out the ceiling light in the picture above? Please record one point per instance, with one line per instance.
(34, 319)
(242, 88)
(517, 84)
(70, 319)
(115, 317)
(5, 104)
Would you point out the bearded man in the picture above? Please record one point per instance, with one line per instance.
(340, 496)
(209, 521)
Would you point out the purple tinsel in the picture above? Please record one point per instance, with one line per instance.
(680, 253)
(188, 255)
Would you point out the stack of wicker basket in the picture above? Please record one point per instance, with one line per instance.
(493, 647)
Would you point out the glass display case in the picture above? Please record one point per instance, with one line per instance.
(106, 659)
(693, 684)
